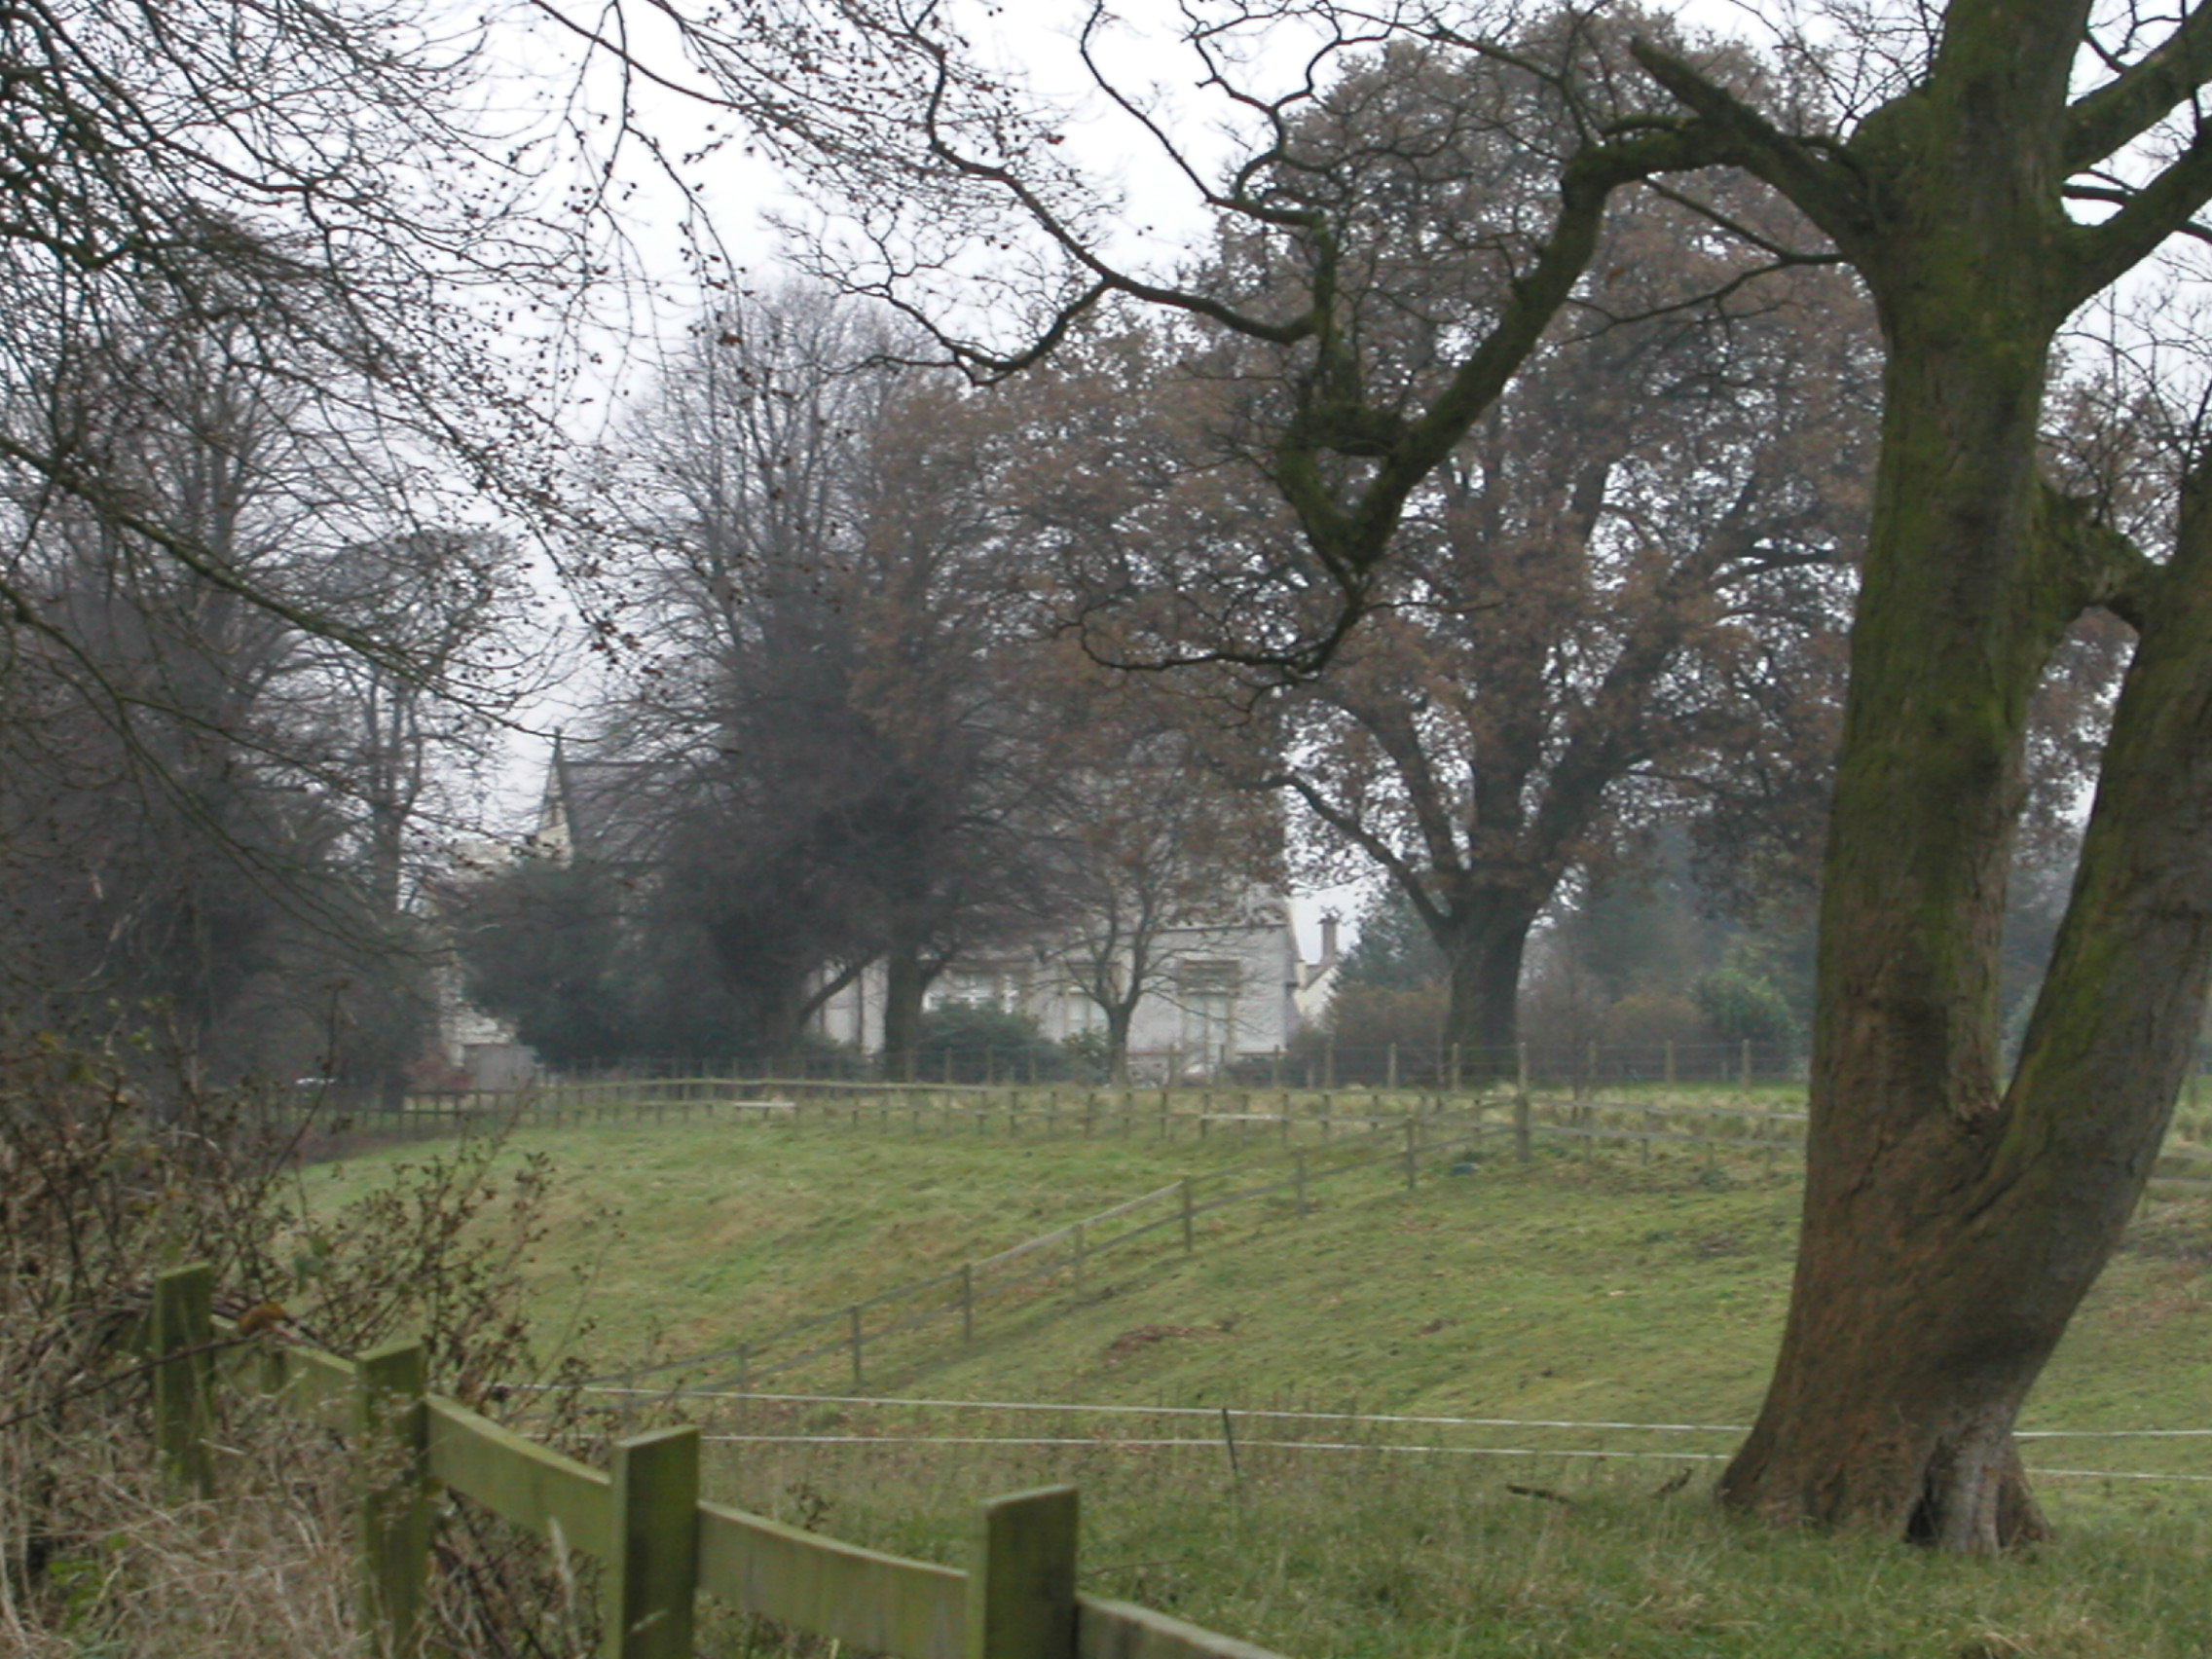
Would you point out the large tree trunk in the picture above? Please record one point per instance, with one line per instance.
(1889, 1407)
(1912, 1344)
(1485, 944)
(1951, 1229)
(1119, 1017)
(905, 981)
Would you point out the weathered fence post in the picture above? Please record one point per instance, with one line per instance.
(1021, 1579)
(184, 1387)
(650, 1577)
(392, 1428)
(1520, 1126)
(1392, 1063)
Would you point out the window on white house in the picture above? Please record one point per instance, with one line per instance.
(1207, 991)
(1080, 1016)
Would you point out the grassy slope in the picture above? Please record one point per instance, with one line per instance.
(688, 1236)
(1595, 1290)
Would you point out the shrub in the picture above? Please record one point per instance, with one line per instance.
(1650, 1019)
(977, 1042)
(1744, 1006)
(112, 1167)
(1363, 1023)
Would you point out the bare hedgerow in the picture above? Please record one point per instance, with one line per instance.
(112, 1167)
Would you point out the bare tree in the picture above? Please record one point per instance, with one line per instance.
(1621, 598)
(845, 760)
(1155, 848)
(295, 189)
(251, 256)
(239, 847)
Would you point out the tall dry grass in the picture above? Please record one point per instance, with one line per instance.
(113, 1166)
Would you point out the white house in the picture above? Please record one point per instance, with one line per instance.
(1231, 988)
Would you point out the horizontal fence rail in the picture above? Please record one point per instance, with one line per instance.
(1316, 1060)
(658, 1544)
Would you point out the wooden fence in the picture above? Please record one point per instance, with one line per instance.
(1335, 1145)
(657, 1543)
(1162, 1113)
(1323, 1137)
(849, 1332)
(1405, 1145)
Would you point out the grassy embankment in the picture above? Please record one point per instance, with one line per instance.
(1604, 1290)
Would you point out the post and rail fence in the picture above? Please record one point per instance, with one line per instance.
(1540, 1089)
(1322, 1136)
(845, 1334)
(1575, 1062)
(658, 1544)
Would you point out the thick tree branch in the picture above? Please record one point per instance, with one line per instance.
(1586, 187)
(2107, 567)
(2123, 109)
(1826, 191)
(2102, 254)
(1391, 721)
(1348, 824)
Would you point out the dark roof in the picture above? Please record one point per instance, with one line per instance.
(611, 807)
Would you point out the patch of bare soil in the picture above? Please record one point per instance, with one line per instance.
(1142, 1337)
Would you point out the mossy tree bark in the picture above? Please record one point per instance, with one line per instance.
(1952, 1222)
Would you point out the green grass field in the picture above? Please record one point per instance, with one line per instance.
(1588, 1289)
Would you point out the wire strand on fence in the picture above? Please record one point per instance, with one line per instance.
(1272, 1415)
(1212, 1444)
(1537, 1453)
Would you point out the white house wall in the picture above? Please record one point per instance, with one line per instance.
(1235, 986)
